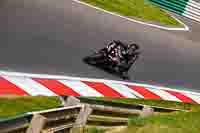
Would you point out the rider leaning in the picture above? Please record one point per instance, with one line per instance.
(119, 51)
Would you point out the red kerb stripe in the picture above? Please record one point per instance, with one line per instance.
(7, 87)
(103, 89)
(145, 92)
(57, 87)
(180, 96)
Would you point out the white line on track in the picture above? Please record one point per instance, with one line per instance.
(186, 28)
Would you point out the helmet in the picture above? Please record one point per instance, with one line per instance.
(132, 48)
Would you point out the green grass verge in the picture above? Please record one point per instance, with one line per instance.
(94, 130)
(160, 103)
(178, 122)
(137, 9)
(10, 107)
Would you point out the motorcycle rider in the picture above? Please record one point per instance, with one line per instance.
(121, 53)
(117, 56)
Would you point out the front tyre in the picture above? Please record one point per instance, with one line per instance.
(125, 75)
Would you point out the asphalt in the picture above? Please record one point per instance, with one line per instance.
(52, 37)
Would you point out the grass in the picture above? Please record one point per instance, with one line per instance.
(177, 122)
(137, 9)
(10, 107)
(160, 103)
(180, 122)
(94, 130)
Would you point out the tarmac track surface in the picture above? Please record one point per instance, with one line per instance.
(48, 36)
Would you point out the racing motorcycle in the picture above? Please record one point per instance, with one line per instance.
(101, 59)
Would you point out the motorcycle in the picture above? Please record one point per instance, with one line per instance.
(102, 60)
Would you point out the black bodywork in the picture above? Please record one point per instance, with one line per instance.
(101, 60)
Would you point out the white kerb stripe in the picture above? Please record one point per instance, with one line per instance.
(135, 92)
(164, 95)
(30, 86)
(122, 89)
(81, 88)
(196, 98)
